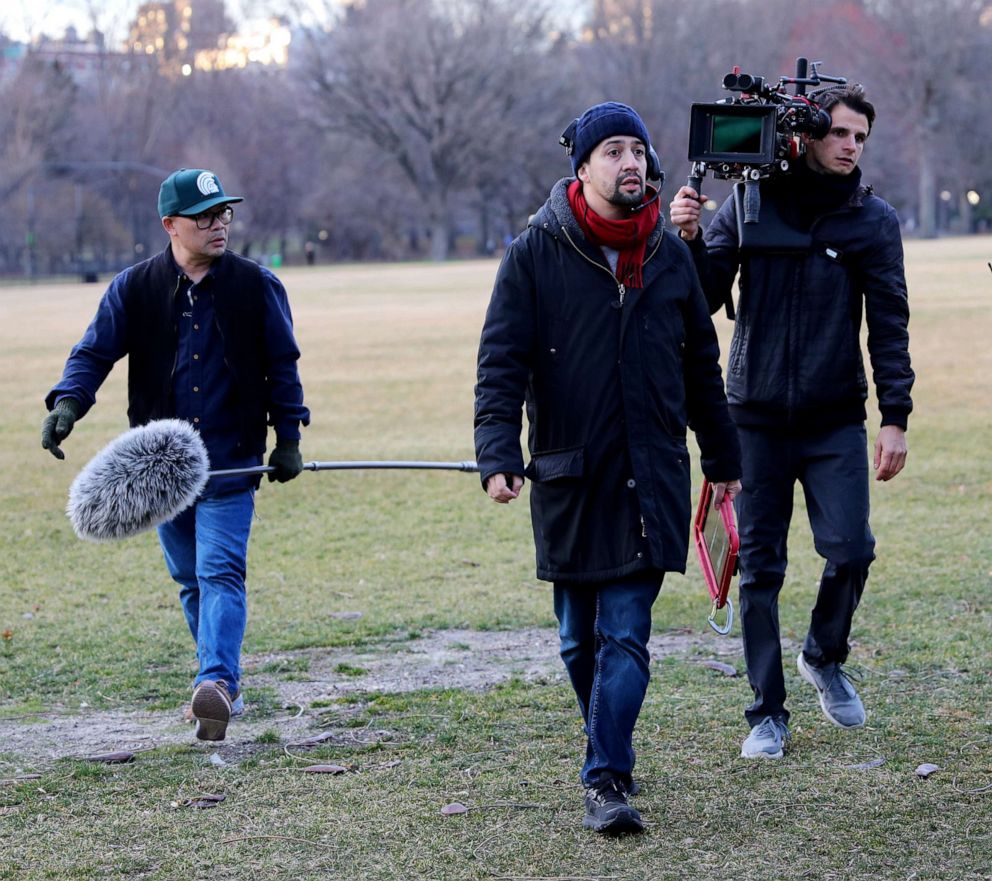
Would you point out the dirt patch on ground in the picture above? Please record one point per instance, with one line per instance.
(438, 659)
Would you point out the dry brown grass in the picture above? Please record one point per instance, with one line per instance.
(388, 365)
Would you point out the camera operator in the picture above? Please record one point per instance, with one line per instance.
(797, 388)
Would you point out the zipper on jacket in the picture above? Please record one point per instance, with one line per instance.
(621, 289)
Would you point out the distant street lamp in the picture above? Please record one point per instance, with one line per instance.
(974, 197)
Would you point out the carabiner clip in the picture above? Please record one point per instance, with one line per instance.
(711, 620)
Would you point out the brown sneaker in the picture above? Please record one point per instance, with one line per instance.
(237, 709)
(211, 707)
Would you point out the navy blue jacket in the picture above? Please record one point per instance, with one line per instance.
(610, 377)
(219, 354)
(795, 360)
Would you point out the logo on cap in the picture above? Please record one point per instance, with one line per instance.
(206, 183)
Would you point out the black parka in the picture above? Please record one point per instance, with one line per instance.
(611, 377)
(795, 358)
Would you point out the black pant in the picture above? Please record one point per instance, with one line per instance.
(832, 467)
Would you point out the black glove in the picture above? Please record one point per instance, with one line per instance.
(287, 460)
(58, 425)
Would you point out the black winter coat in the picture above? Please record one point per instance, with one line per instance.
(795, 360)
(610, 377)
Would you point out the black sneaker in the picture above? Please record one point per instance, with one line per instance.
(607, 810)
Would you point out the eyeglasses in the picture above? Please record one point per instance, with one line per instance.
(205, 219)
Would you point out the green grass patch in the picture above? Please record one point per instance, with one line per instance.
(388, 373)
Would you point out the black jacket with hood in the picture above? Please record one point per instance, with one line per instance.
(611, 377)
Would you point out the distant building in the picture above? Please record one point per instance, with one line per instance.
(11, 55)
(184, 36)
(84, 59)
(175, 31)
(177, 37)
(621, 18)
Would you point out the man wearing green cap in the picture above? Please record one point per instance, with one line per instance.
(209, 339)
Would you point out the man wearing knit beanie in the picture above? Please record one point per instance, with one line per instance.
(598, 323)
(601, 121)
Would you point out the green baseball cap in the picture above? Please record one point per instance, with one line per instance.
(190, 191)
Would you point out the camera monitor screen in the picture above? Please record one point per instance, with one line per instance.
(743, 133)
(736, 134)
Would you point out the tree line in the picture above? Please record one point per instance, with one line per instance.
(429, 128)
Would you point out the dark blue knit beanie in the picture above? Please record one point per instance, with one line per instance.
(602, 121)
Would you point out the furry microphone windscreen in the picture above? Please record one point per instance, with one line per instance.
(141, 479)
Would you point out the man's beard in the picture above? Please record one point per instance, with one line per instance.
(627, 200)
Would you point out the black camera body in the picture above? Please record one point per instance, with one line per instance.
(755, 134)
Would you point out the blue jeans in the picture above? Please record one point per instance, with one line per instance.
(604, 629)
(832, 467)
(206, 550)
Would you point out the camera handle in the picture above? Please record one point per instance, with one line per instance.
(696, 177)
(752, 196)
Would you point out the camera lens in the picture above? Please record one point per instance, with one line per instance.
(745, 82)
(730, 81)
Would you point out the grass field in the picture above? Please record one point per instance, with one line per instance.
(388, 368)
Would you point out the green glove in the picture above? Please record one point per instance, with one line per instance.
(58, 425)
(286, 459)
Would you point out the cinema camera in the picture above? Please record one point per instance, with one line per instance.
(755, 134)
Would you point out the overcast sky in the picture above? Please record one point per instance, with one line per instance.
(26, 19)
(22, 20)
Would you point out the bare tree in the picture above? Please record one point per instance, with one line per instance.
(430, 85)
(943, 45)
(660, 56)
(401, 124)
(35, 128)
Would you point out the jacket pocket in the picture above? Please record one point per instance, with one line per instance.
(738, 348)
(556, 465)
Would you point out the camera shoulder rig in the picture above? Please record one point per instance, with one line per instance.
(756, 133)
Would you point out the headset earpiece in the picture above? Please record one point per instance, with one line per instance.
(654, 172)
(567, 139)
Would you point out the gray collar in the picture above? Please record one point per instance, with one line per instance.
(558, 213)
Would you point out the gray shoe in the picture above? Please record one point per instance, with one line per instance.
(838, 699)
(767, 740)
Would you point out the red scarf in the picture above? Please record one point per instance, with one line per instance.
(629, 236)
